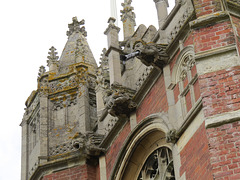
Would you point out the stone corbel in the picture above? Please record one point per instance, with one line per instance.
(172, 136)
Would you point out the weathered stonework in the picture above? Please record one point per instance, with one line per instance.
(163, 104)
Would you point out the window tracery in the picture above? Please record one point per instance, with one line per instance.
(187, 81)
(158, 166)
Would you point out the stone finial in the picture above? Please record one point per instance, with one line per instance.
(111, 25)
(52, 54)
(52, 61)
(42, 70)
(104, 59)
(127, 12)
(75, 27)
(103, 70)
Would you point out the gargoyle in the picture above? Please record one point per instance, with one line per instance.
(151, 53)
(88, 143)
(118, 100)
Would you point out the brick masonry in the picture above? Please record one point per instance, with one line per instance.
(213, 36)
(155, 101)
(195, 157)
(224, 145)
(220, 91)
(115, 148)
(83, 172)
(204, 7)
(236, 23)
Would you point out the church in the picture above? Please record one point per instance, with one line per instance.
(164, 103)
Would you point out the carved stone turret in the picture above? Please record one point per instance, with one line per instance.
(128, 19)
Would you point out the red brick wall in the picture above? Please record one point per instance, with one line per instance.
(155, 101)
(203, 7)
(212, 37)
(83, 172)
(236, 23)
(220, 91)
(111, 155)
(189, 40)
(224, 145)
(195, 158)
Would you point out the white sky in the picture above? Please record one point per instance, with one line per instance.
(28, 29)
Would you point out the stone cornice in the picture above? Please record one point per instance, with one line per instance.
(208, 19)
(220, 119)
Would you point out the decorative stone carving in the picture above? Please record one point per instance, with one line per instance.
(80, 50)
(111, 25)
(103, 71)
(42, 70)
(172, 136)
(179, 24)
(118, 100)
(43, 86)
(151, 53)
(88, 143)
(52, 58)
(186, 65)
(75, 27)
(63, 84)
(62, 102)
(61, 149)
(143, 77)
(127, 12)
(110, 124)
(158, 166)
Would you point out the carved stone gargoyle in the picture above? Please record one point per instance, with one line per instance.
(88, 143)
(172, 136)
(118, 100)
(151, 53)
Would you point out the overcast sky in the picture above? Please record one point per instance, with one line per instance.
(28, 29)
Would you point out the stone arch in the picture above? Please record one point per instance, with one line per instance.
(176, 69)
(148, 136)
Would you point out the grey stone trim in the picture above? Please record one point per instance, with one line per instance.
(190, 117)
(220, 50)
(146, 86)
(208, 19)
(153, 118)
(220, 119)
(55, 166)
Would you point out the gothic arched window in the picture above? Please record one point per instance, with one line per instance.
(158, 166)
(187, 86)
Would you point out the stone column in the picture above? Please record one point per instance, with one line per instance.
(113, 49)
(24, 158)
(43, 128)
(83, 109)
(161, 6)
